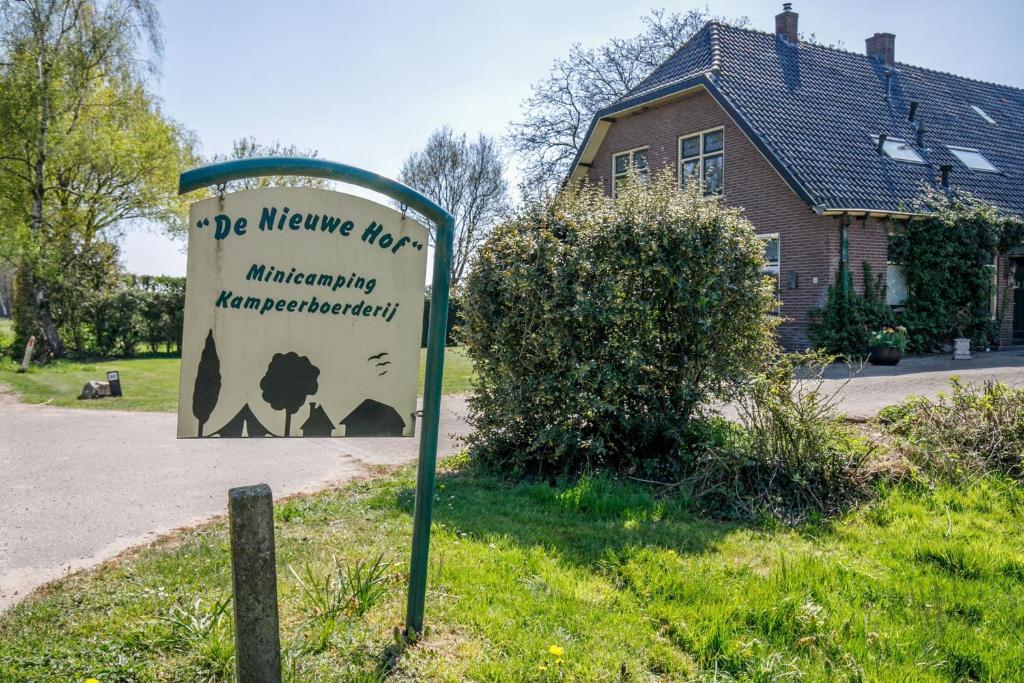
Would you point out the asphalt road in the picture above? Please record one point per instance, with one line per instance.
(80, 486)
(872, 388)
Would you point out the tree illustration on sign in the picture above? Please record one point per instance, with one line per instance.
(207, 387)
(289, 380)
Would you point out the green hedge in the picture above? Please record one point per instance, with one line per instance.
(141, 312)
(599, 328)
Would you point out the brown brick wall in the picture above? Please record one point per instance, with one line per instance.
(809, 243)
(1004, 299)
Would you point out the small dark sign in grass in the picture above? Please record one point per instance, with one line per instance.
(600, 579)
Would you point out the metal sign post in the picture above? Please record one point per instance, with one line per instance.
(218, 174)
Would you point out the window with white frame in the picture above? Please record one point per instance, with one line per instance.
(895, 277)
(773, 265)
(993, 295)
(899, 149)
(624, 162)
(973, 159)
(702, 160)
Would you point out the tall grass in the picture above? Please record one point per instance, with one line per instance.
(201, 631)
(791, 456)
(974, 430)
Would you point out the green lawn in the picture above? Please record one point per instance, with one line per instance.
(923, 585)
(151, 383)
(6, 334)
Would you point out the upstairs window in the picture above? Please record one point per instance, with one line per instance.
(899, 149)
(973, 159)
(702, 160)
(981, 112)
(624, 162)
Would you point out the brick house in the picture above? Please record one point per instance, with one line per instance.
(824, 149)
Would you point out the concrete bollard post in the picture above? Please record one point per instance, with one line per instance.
(254, 580)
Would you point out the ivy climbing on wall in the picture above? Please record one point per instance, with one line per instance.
(948, 260)
(948, 256)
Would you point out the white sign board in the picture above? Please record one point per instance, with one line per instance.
(303, 316)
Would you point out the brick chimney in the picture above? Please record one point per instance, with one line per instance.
(785, 23)
(882, 46)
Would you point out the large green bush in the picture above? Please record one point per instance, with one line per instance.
(122, 315)
(599, 328)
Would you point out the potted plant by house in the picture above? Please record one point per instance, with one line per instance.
(961, 343)
(887, 345)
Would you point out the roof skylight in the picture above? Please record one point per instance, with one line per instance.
(900, 150)
(973, 159)
(982, 114)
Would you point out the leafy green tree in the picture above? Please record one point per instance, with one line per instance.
(83, 146)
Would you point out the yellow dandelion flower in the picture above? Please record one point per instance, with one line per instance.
(556, 650)
(542, 667)
(91, 680)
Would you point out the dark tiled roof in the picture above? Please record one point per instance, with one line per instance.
(813, 110)
(693, 59)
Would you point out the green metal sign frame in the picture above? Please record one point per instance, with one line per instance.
(444, 222)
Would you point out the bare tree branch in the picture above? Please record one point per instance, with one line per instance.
(465, 178)
(557, 114)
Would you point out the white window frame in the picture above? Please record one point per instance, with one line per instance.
(700, 157)
(775, 269)
(994, 294)
(918, 159)
(630, 166)
(983, 114)
(891, 266)
(953, 149)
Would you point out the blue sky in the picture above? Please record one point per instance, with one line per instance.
(366, 82)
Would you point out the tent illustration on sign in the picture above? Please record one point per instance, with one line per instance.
(243, 424)
(373, 418)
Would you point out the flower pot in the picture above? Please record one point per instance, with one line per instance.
(961, 348)
(884, 355)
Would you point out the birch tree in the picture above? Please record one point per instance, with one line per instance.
(82, 145)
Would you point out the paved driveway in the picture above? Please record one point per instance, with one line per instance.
(873, 387)
(80, 486)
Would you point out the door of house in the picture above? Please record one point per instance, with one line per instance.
(1018, 301)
